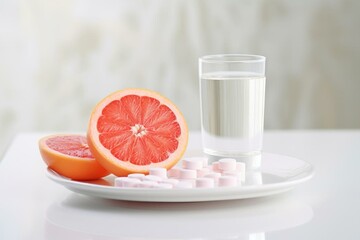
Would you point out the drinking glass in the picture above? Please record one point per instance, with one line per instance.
(232, 96)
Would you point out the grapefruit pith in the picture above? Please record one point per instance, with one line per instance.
(133, 130)
(69, 155)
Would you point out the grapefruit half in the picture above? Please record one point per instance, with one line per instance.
(133, 130)
(70, 156)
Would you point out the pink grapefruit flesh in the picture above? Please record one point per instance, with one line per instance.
(70, 156)
(133, 130)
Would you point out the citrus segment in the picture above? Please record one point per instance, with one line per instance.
(70, 156)
(75, 146)
(134, 129)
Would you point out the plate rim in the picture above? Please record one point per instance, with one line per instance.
(170, 195)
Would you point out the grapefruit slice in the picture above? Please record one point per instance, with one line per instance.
(69, 155)
(133, 130)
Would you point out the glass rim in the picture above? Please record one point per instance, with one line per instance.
(232, 58)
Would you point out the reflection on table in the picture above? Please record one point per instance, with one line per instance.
(80, 217)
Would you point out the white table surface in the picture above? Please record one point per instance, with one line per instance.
(326, 207)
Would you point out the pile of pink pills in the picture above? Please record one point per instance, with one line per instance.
(193, 172)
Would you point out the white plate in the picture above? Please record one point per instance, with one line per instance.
(278, 174)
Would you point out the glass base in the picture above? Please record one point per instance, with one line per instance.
(251, 160)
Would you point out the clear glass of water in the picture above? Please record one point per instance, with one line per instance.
(232, 93)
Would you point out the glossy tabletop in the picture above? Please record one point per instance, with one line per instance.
(326, 207)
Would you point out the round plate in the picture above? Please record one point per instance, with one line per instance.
(278, 174)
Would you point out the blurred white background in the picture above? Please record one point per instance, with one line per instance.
(59, 58)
